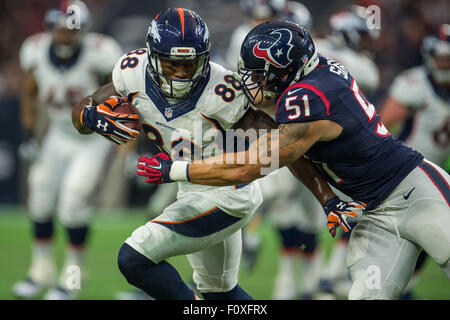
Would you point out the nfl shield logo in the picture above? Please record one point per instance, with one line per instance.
(168, 112)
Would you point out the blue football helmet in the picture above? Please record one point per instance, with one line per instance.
(437, 46)
(178, 35)
(273, 55)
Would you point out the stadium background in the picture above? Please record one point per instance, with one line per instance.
(123, 199)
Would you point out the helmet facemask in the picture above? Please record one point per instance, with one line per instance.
(270, 82)
(178, 88)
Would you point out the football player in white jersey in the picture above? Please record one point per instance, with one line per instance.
(419, 103)
(297, 225)
(186, 103)
(62, 65)
(257, 11)
(348, 44)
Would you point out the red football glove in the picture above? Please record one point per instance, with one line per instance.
(156, 169)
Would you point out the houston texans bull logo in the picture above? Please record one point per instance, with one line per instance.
(278, 53)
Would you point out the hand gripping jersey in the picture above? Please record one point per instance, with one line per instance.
(428, 128)
(187, 129)
(365, 162)
(62, 86)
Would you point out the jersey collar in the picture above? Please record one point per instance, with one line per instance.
(173, 111)
(64, 64)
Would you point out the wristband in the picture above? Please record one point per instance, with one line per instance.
(179, 171)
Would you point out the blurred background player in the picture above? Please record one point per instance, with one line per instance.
(417, 108)
(62, 65)
(257, 11)
(349, 42)
(297, 219)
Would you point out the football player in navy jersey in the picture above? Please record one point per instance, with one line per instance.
(324, 116)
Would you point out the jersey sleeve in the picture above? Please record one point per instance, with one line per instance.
(405, 90)
(302, 103)
(128, 74)
(107, 53)
(232, 113)
(118, 79)
(28, 53)
(226, 102)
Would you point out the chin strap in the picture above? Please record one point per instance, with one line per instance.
(307, 68)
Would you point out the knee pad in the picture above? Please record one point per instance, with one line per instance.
(160, 280)
(77, 236)
(130, 261)
(43, 230)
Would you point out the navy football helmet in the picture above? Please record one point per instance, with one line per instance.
(178, 35)
(273, 55)
(436, 54)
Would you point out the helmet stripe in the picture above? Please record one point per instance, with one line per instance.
(181, 13)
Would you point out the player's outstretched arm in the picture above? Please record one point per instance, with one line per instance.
(274, 149)
(271, 151)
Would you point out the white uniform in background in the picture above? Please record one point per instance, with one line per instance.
(360, 65)
(205, 221)
(428, 131)
(69, 165)
(288, 203)
(234, 48)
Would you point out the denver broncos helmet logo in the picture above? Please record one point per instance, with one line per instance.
(277, 53)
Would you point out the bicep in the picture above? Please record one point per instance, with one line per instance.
(294, 140)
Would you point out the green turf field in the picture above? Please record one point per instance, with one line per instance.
(109, 231)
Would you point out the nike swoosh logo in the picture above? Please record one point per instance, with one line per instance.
(150, 166)
(408, 194)
(292, 91)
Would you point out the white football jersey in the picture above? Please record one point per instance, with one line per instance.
(234, 48)
(362, 68)
(429, 129)
(60, 88)
(188, 129)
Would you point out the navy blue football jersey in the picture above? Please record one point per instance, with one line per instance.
(365, 162)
